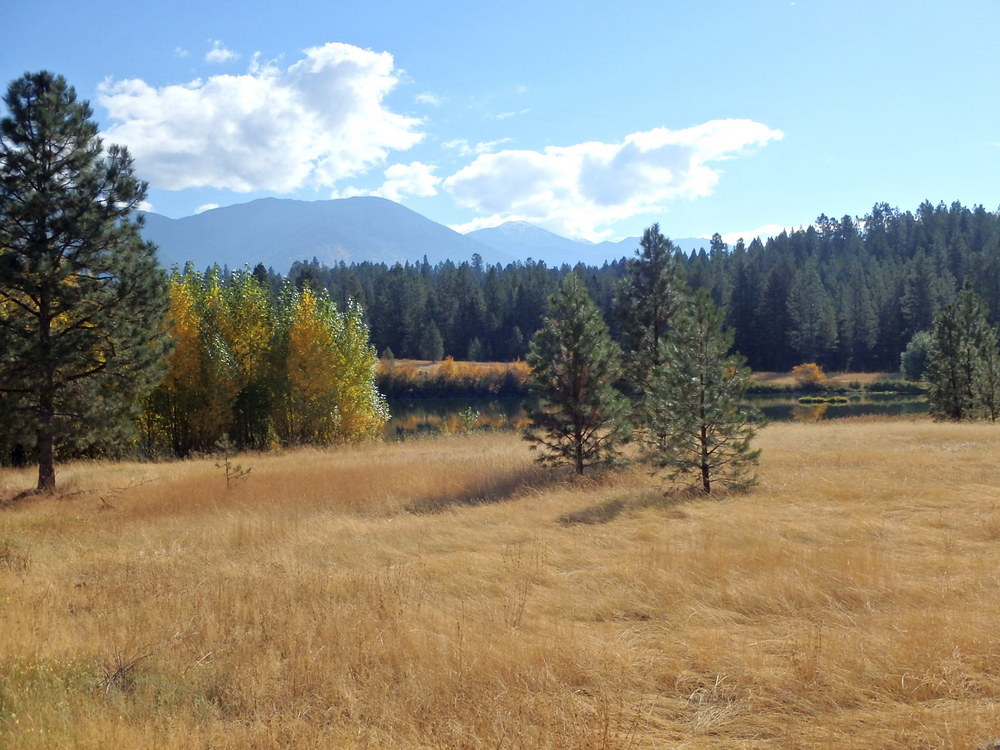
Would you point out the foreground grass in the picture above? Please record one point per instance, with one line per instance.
(448, 594)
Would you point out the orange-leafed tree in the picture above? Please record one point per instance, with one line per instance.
(808, 375)
(192, 408)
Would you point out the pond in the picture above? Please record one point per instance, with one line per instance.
(428, 416)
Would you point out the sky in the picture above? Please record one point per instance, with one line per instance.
(591, 119)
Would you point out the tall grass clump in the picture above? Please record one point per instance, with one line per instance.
(450, 378)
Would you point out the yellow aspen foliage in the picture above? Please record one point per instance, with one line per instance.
(330, 374)
(311, 413)
(194, 400)
(261, 371)
(185, 328)
(363, 410)
(246, 326)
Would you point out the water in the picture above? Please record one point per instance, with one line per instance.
(858, 405)
(432, 416)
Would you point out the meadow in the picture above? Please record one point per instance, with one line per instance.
(448, 593)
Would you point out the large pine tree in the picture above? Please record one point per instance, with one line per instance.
(648, 299)
(82, 298)
(581, 419)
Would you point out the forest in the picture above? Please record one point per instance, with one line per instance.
(847, 293)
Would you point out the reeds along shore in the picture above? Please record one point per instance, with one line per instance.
(448, 593)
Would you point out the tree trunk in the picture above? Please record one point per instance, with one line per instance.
(46, 444)
(706, 474)
(46, 400)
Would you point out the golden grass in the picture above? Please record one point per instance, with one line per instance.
(839, 378)
(448, 594)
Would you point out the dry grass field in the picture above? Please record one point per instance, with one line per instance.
(446, 593)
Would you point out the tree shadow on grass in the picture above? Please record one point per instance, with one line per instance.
(606, 512)
(495, 489)
(10, 500)
(601, 513)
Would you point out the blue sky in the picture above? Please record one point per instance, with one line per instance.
(591, 119)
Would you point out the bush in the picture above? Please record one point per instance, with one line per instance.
(895, 386)
(809, 376)
(913, 360)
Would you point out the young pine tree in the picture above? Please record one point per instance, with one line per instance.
(962, 368)
(582, 419)
(699, 427)
(82, 298)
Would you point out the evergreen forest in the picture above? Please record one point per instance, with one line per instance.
(847, 293)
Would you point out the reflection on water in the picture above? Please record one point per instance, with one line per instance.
(432, 416)
(790, 409)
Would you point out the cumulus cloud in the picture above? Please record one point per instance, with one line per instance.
(401, 180)
(580, 190)
(415, 179)
(317, 121)
(220, 53)
(206, 207)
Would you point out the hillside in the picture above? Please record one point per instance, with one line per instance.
(277, 232)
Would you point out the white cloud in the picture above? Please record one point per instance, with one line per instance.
(320, 120)
(180, 52)
(415, 179)
(429, 98)
(220, 53)
(581, 190)
(462, 146)
(205, 207)
(508, 115)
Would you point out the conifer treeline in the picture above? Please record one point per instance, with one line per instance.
(848, 294)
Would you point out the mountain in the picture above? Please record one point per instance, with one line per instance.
(523, 240)
(277, 232)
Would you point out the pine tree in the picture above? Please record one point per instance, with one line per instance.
(962, 361)
(82, 299)
(648, 299)
(813, 330)
(698, 422)
(581, 419)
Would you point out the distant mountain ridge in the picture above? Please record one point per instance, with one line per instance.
(277, 232)
(522, 240)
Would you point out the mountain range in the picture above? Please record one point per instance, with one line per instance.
(277, 232)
